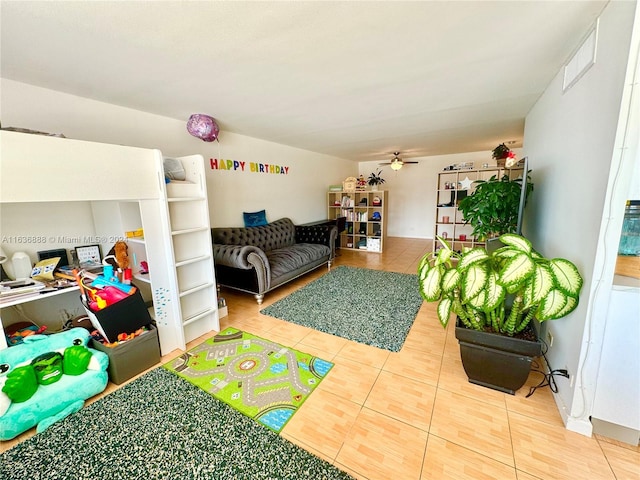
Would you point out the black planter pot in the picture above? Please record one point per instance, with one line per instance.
(496, 361)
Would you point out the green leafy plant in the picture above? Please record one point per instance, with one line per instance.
(375, 178)
(492, 208)
(476, 284)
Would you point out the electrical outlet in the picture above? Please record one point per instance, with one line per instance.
(549, 338)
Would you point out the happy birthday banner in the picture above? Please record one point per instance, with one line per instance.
(250, 167)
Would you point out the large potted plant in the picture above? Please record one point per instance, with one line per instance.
(492, 208)
(495, 296)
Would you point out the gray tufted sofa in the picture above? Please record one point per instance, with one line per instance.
(259, 259)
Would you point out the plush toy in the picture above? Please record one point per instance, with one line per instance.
(119, 252)
(47, 378)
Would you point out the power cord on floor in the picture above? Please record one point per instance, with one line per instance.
(548, 378)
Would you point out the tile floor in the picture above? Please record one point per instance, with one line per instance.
(412, 415)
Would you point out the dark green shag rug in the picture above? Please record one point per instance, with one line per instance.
(160, 427)
(367, 306)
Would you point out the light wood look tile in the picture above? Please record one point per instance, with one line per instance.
(323, 422)
(421, 417)
(473, 424)
(383, 448)
(416, 364)
(427, 335)
(293, 332)
(448, 461)
(403, 398)
(365, 354)
(624, 462)
(540, 405)
(553, 452)
(324, 341)
(350, 380)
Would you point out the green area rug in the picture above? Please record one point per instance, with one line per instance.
(258, 377)
(367, 306)
(163, 428)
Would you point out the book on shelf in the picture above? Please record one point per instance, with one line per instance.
(15, 288)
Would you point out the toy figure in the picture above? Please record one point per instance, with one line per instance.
(118, 256)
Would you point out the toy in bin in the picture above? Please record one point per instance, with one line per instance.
(113, 307)
(104, 290)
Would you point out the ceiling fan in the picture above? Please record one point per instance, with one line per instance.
(396, 162)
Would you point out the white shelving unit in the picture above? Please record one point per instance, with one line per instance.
(125, 189)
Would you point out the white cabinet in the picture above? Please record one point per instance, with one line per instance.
(616, 405)
(125, 190)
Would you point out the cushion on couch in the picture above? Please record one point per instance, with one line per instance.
(284, 260)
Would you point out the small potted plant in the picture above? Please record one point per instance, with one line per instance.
(375, 179)
(501, 153)
(495, 297)
(492, 208)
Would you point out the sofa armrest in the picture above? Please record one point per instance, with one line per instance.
(321, 234)
(245, 257)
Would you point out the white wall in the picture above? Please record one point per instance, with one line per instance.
(412, 190)
(300, 195)
(573, 142)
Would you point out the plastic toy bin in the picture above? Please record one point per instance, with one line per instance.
(132, 357)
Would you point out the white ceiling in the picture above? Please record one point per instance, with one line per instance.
(356, 80)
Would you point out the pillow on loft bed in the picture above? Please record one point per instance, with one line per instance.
(173, 169)
(254, 219)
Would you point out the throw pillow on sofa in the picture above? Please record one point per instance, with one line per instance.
(255, 219)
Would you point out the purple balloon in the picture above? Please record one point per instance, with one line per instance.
(203, 127)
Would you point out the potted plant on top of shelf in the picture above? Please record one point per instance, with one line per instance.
(495, 296)
(492, 208)
(501, 153)
(375, 179)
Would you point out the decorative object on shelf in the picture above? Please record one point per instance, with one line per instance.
(203, 127)
(375, 179)
(465, 184)
(492, 208)
(479, 286)
(349, 184)
(21, 266)
(504, 156)
(362, 183)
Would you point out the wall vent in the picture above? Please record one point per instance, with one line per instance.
(582, 60)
